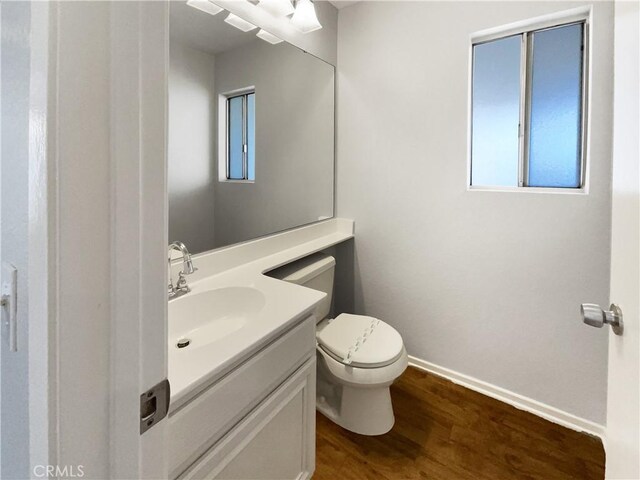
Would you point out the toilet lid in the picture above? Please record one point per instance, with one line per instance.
(360, 341)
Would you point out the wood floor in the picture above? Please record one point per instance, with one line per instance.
(445, 431)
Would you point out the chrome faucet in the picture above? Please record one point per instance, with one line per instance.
(181, 287)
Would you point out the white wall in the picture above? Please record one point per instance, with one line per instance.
(294, 141)
(192, 142)
(486, 284)
(15, 56)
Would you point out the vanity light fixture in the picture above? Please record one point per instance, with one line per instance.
(239, 23)
(268, 37)
(281, 8)
(205, 6)
(305, 18)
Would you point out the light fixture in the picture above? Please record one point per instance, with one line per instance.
(205, 6)
(304, 18)
(268, 37)
(239, 23)
(280, 8)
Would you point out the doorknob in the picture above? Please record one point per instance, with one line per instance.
(593, 315)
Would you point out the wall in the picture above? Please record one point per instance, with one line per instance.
(15, 57)
(294, 141)
(191, 166)
(487, 284)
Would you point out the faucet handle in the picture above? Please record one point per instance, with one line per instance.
(181, 284)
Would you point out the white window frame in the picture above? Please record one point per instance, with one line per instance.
(223, 136)
(559, 19)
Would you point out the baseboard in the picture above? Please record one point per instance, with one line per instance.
(519, 401)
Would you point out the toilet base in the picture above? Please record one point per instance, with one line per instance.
(366, 411)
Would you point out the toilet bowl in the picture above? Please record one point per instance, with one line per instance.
(358, 357)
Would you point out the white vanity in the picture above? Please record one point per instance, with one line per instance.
(251, 152)
(243, 388)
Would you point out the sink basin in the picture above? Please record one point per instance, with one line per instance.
(203, 318)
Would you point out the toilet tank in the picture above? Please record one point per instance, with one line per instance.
(316, 272)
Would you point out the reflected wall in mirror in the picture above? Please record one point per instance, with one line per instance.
(251, 133)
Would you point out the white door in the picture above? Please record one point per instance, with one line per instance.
(623, 404)
(107, 146)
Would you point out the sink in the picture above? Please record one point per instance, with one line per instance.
(200, 319)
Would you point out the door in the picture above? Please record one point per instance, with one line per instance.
(623, 402)
(106, 126)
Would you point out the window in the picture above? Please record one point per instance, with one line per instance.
(527, 121)
(241, 137)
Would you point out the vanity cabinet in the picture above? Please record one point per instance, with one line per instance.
(275, 441)
(257, 421)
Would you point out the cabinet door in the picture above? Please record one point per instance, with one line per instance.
(204, 421)
(274, 442)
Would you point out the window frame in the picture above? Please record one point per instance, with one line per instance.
(525, 29)
(224, 135)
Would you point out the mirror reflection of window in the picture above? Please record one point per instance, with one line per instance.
(241, 137)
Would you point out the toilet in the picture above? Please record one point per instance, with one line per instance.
(358, 356)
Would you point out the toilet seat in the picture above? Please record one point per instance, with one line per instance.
(361, 377)
(360, 341)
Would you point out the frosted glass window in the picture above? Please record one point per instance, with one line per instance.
(241, 134)
(496, 112)
(555, 139)
(527, 115)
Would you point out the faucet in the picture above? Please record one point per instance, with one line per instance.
(181, 286)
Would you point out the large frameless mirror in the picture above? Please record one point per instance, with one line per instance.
(251, 132)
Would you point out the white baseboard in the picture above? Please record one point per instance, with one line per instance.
(519, 401)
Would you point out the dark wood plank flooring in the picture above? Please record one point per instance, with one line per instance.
(445, 431)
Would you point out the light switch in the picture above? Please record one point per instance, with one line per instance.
(9, 296)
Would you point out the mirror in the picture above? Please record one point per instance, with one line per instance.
(251, 133)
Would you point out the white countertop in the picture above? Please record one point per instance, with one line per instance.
(191, 371)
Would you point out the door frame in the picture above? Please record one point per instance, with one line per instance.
(139, 77)
(622, 439)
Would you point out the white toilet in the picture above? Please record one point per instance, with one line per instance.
(359, 357)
